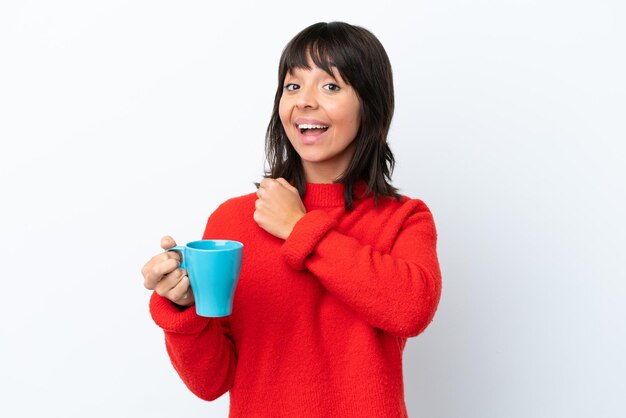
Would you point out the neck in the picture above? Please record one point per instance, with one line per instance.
(320, 174)
(329, 171)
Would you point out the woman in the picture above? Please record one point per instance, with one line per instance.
(339, 269)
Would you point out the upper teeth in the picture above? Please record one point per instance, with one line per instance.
(310, 126)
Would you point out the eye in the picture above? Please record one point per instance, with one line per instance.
(291, 86)
(332, 87)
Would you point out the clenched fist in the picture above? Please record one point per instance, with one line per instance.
(278, 207)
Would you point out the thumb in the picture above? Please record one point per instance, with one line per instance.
(167, 242)
(285, 183)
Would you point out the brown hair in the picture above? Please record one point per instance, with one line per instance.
(362, 62)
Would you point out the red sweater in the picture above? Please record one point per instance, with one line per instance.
(319, 320)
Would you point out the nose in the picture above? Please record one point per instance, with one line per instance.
(307, 97)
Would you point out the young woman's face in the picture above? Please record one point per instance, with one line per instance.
(321, 116)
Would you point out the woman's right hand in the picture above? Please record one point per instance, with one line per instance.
(162, 273)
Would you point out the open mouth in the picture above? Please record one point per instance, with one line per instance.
(309, 129)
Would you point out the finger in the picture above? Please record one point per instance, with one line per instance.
(169, 281)
(256, 216)
(166, 255)
(181, 293)
(158, 271)
(266, 183)
(284, 182)
(167, 242)
(175, 254)
(148, 269)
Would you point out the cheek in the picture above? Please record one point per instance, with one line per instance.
(350, 121)
(283, 113)
(353, 120)
(356, 117)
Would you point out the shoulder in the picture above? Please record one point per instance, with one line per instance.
(232, 215)
(236, 204)
(416, 206)
(408, 212)
(418, 216)
(405, 206)
(381, 224)
(395, 212)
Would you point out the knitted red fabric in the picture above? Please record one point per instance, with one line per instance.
(319, 320)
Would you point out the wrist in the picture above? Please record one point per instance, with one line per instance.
(293, 225)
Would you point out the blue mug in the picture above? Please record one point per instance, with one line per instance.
(213, 268)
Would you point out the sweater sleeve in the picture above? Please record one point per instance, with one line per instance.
(397, 292)
(200, 349)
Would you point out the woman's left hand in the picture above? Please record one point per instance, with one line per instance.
(278, 207)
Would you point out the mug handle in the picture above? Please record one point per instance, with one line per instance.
(181, 250)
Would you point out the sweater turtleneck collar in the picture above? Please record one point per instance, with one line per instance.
(327, 195)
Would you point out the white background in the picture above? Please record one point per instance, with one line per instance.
(121, 121)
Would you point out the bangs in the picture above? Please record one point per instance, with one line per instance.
(320, 45)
